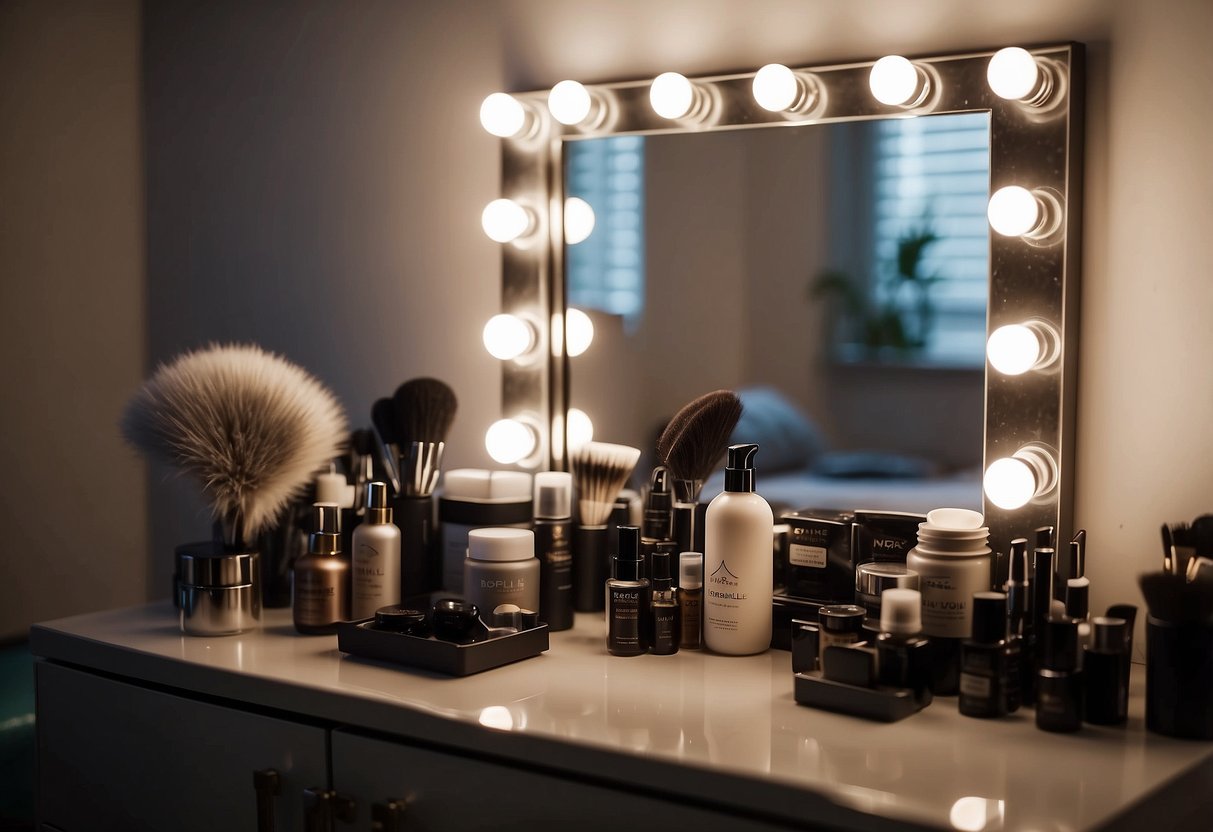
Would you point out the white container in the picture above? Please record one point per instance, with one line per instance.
(738, 564)
(474, 498)
(501, 568)
(948, 581)
(375, 557)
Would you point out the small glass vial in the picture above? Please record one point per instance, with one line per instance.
(501, 568)
(1059, 680)
(664, 606)
(984, 676)
(901, 651)
(627, 598)
(690, 600)
(841, 625)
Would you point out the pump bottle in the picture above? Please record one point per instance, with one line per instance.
(375, 556)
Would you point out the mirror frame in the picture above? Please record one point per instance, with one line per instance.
(1035, 147)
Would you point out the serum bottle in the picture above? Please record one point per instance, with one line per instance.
(375, 556)
(690, 600)
(627, 598)
(901, 651)
(553, 534)
(738, 569)
(984, 671)
(321, 578)
(664, 607)
(1059, 681)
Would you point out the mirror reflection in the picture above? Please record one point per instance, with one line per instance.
(835, 275)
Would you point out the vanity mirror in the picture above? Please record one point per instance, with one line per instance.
(1032, 101)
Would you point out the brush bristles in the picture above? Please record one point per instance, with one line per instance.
(425, 408)
(695, 439)
(251, 426)
(600, 470)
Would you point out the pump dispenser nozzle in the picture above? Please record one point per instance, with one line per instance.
(326, 539)
(739, 471)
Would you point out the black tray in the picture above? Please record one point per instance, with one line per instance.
(883, 704)
(358, 638)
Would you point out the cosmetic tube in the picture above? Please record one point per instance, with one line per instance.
(553, 541)
(1105, 684)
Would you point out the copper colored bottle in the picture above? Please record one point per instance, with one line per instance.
(320, 588)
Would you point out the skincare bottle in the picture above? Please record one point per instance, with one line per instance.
(473, 498)
(1059, 680)
(690, 600)
(321, 578)
(627, 598)
(983, 659)
(553, 532)
(737, 562)
(658, 517)
(664, 606)
(376, 556)
(501, 568)
(1106, 686)
(901, 651)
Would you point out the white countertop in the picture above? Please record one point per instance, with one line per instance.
(695, 726)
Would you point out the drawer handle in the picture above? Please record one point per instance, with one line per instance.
(267, 783)
(323, 807)
(388, 816)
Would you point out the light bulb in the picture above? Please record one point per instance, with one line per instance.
(504, 220)
(580, 428)
(671, 95)
(579, 331)
(1013, 73)
(503, 115)
(1013, 349)
(775, 88)
(1009, 483)
(508, 336)
(896, 82)
(578, 220)
(508, 441)
(569, 102)
(1013, 211)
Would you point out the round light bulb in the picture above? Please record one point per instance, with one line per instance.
(894, 80)
(1013, 349)
(1013, 211)
(1012, 73)
(508, 336)
(578, 220)
(671, 95)
(1009, 483)
(579, 332)
(775, 88)
(580, 428)
(502, 115)
(509, 440)
(569, 102)
(504, 220)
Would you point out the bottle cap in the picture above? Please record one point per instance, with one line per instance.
(326, 539)
(1078, 592)
(989, 617)
(661, 570)
(629, 543)
(841, 618)
(877, 577)
(553, 495)
(1061, 644)
(377, 509)
(1019, 560)
(901, 611)
(739, 471)
(660, 497)
(1110, 634)
(501, 544)
(690, 570)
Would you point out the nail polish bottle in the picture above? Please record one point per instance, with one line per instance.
(983, 659)
(1059, 684)
(902, 658)
(1105, 684)
(627, 598)
(664, 607)
(690, 600)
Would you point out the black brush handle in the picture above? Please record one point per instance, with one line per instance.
(590, 569)
(415, 517)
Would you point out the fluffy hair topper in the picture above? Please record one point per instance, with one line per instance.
(249, 425)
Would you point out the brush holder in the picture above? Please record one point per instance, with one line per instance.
(1179, 679)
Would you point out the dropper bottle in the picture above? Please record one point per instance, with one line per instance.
(321, 578)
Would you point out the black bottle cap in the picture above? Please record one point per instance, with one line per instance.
(739, 471)
(1077, 594)
(1044, 537)
(841, 618)
(1019, 560)
(1061, 644)
(989, 617)
(401, 619)
(661, 497)
(661, 570)
(627, 562)
(1110, 634)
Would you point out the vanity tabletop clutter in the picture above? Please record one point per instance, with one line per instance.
(715, 739)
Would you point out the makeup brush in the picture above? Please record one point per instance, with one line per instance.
(383, 417)
(424, 409)
(249, 425)
(1172, 599)
(600, 470)
(691, 447)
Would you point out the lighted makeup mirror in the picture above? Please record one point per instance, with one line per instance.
(1033, 99)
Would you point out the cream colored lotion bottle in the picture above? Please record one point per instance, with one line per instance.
(737, 572)
(376, 556)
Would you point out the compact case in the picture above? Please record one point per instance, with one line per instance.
(218, 591)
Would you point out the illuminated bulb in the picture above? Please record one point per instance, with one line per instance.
(503, 115)
(1013, 349)
(1013, 73)
(579, 332)
(578, 220)
(775, 88)
(1009, 483)
(580, 428)
(569, 102)
(508, 336)
(508, 441)
(504, 220)
(671, 95)
(1013, 211)
(896, 81)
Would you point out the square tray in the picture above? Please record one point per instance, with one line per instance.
(883, 704)
(358, 638)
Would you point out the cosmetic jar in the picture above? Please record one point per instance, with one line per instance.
(501, 568)
(219, 593)
(455, 620)
(474, 498)
(397, 619)
(872, 579)
(841, 624)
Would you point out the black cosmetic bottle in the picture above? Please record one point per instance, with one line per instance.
(627, 599)
(553, 536)
(664, 606)
(1105, 684)
(984, 668)
(902, 656)
(1059, 680)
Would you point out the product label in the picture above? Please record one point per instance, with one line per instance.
(691, 605)
(370, 590)
(812, 556)
(665, 628)
(624, 625)
(976, 686)
(945, 606)
(315, 599)
(724, 585)
(829, 639)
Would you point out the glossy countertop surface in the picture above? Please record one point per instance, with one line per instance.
(695, 726)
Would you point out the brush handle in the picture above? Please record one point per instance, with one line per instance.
(590, 568)
(684, 526)
(418, 570)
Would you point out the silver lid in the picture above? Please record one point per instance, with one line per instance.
(215, 570)
(874, 578)
(326, 539)
(553, 495)
(377, 509)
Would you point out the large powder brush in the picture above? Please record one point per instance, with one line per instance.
(250, 426)
(600, 469)
(695, 439)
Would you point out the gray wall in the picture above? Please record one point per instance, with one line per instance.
(316, 175)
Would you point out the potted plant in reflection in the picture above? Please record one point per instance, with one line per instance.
(890, 318)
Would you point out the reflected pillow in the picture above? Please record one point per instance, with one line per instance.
(872, 465)
(787, 440)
